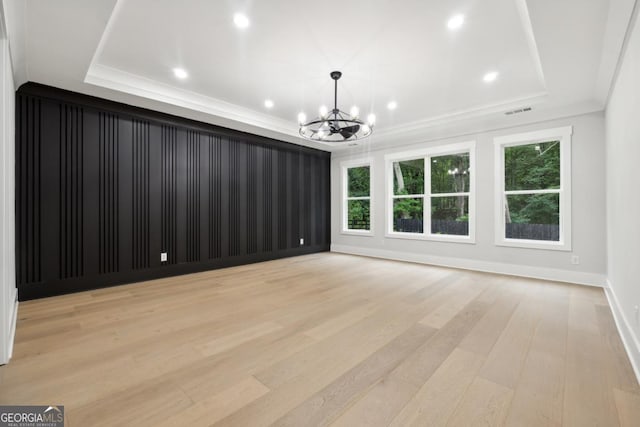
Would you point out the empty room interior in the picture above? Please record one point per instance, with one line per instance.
(297, 213)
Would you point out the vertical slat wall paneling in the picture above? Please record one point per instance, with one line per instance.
(126, 186)
(140, 195)
(215, 197)
(71, 212)
(293, 231)
(193, 197)
(307, 192)
(181, 195)
(50, 190)
(104, 188)
(28, 223)
(313, 201)
(155, 195)
(267, 200)
(259, 200)
(108, 194)
(237, 219)
(203, 209)
(283, 202)
(326, 193)
(169, 193)
(252, 199)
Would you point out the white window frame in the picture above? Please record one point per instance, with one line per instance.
(345, 166)
(427, 154)
(562, 134)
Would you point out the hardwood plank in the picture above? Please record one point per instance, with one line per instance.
(387, 398)
(447, 311)
(484, 404)
(505, 361)
(379, 406)
(486, 332)
(438, 398)
(418, 367)
(218, 345)
(218, 406)
(587, 398)
(628, 407)
(538, 398)
(619, 370)
(325, 405)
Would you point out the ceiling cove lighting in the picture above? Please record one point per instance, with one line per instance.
(180, 73)
(268, 103)
(455, 22)
(241, 20)
(336, 125)
(490, 77)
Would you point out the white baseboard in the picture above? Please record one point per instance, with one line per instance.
(629, 340)
(582, 278)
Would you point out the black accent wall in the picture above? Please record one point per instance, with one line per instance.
(102, 189)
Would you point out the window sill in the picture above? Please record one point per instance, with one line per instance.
(432, 237)
(366, 233)
(534, 244)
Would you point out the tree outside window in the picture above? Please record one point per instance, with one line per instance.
(358, 198)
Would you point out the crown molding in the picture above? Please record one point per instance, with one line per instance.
(112, 78)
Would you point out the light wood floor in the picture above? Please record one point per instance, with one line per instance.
(326, 339)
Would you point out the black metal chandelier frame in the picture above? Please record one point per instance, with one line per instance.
(337, 126)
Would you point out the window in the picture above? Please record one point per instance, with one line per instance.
(356, 178)
(533, 189)
(431, 193)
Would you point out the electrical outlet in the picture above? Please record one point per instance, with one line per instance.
(301, 241)
(575, 260)
(163, 257)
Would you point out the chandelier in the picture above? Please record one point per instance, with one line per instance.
(336, 125)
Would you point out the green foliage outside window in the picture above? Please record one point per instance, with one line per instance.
(358, 185)
(532, 167)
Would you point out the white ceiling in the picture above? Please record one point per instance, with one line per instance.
(557, 56)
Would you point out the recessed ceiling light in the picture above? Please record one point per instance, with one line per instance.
(392, 105)
(490, 77)
(241, 20)
(180, 73)
(268, 103)
(455, 22)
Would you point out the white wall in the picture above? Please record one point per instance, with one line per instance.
(8, 304)
(623, 195)
(588, 212)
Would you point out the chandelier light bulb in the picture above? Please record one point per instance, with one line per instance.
(302, 117)
(371, 119)
(323, 111)
(355, 112)
(366, 129)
